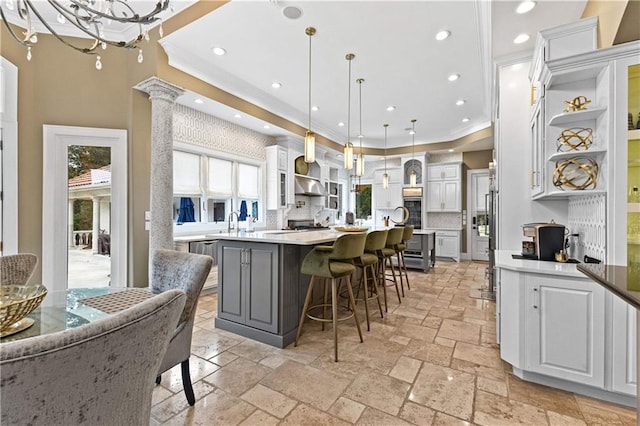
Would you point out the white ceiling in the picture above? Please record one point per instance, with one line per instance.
(396, 54)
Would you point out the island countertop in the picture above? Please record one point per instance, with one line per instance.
(623, 281)
(303, 238)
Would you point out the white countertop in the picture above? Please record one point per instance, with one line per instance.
(190, 238)
(442, 229)
(504, 260)
(424, 231)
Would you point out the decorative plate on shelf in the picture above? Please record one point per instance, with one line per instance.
(302, 168)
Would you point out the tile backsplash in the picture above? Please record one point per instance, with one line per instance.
(444, 220)
(587, 217)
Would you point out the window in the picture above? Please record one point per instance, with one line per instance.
(363, 202)
(207, 189)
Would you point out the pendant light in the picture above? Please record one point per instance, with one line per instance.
(348, 147)
(310, 137)
(385, 176)
(413, 176)
(360, 159)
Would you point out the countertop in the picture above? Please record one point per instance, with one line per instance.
(624, 281)
(192, 238)
(504, 260)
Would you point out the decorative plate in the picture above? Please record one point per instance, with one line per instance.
(302, 168)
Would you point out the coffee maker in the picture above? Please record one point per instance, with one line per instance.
(548, 239)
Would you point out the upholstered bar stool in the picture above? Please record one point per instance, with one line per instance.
(394, 237)
(400, 248)
(375, 242)
(332, 263)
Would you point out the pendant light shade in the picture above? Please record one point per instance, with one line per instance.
(310, 137)
(348, 146)
(360, 160)
(385, 176)
(413, 177)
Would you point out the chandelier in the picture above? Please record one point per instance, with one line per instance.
(89, 16)
(310, 137)
(360, 159)
(348, 146)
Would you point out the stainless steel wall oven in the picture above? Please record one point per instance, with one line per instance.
(412, 200)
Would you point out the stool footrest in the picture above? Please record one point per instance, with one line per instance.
(344, 318)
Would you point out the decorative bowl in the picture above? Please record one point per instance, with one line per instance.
(16, 302)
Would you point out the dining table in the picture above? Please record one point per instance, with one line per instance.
(65, 309)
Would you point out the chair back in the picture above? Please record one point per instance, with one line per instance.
(348, 246)
(376, 240)
(16, 269)
(98, 373)
(183, 271)
(394, 236)
(408, 232)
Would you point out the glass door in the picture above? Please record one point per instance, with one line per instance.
(633, 169)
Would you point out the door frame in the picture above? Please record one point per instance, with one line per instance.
(9, 157)
(472, 210)
(56, 140)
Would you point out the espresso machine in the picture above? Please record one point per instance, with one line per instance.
(547, 240)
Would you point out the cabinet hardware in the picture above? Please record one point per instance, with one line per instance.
(532, 172)
(533, 96)
(535, 296)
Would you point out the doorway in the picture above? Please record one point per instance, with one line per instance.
(84, 207)
(478, 206)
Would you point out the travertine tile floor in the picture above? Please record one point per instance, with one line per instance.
(432, 360)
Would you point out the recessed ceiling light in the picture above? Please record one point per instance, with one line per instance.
(521, 38)
(219, 51)
(237, 116)
(525, 6)
(341, 124)
(442, 35)
(516, 67)
(360, 136)
(199, 101)
(466, 119)
(450, 150)
(391, 108)
(315, 108)
(276, 85)
(266, 126)
(339, 156)
(460, 102)
(454, 77)
(292, 12)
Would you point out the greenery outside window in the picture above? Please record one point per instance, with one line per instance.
(363, 202)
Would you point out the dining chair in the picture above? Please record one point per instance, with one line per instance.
(97, 373)
(16, 269)
(187, 272)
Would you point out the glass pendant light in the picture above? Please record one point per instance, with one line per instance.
(348, 147)
(385, 176)
(310, 137)
(360, 159)
(413, 177)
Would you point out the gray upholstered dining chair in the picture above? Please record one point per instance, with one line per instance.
(98, 373)
(188, 272)
(16, 269)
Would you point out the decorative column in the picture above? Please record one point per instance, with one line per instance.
(72, 241)
(96, 224)
(162, 96)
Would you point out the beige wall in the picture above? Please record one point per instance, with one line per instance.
(76, 94)
(610, 14)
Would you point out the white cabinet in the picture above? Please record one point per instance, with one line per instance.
(536, 128)
(444, 187)
(278, 185)
(565, 328)
(448, 244)
(623, 343)
(390, 198)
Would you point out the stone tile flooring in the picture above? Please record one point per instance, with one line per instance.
(432, 360)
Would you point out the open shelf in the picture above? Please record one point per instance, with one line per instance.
(560, 194)
(575, 116)
(587, 153)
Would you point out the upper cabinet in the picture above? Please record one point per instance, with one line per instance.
(278, 178)
(390, 198)
(443, 188)
(573, 110)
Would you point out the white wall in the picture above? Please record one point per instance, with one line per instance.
(513, 152)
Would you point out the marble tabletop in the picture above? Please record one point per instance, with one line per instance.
(505, 260)
(624, 281)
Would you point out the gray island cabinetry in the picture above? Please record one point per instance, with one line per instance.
(260, 287)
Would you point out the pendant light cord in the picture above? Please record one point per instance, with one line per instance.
(310, 82)
(385, 147)
(349, 104)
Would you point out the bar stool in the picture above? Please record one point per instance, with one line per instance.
(400, 248)
(332, 263)
(376, 241)
(394, 237)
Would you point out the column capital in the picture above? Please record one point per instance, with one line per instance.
(159, 89)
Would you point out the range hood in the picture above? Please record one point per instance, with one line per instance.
(305, 185)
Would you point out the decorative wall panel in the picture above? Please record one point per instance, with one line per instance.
(444, 220)
(198, 128)
(587, 217)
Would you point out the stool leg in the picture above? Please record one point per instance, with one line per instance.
(395, 281)
(307, 299)
(375, 287)
(334, 308)
(353, 306)
(400, 272)
(366, 296)
(404, 266)
(383, 275)
(324, 300)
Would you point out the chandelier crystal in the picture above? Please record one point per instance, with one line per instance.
(89, 16)
(310, 137)
(348, 146)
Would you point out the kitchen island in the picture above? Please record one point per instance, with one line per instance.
(260, 287)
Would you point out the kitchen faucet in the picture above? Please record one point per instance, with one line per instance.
(230, 225)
